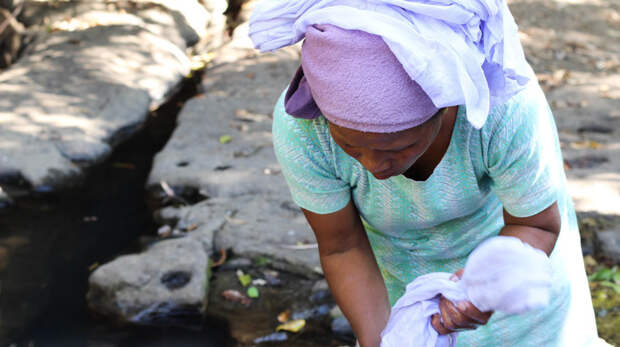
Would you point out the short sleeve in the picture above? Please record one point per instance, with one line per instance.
(524, 159)
(303, 150)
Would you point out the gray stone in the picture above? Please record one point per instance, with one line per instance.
(84, 152)
(241, 177)
(609, 241)
(5, 199)
(167, 284)
(171, 19)
(342, 328)
(79, 93)
(320, 285)
(88, 84)
(240, 91)
(261, 227)
(257, 226)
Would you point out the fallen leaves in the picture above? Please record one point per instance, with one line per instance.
(283, 317)
(236, 296)
(222, 259)
(244, 279)
(253, 292)
(292, 326)
(585, 162)
(224, 139)
(585, 144)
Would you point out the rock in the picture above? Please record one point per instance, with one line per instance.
(609, 241)
(256, 226)
(342, 328)
(88, 84)
(78, 94)
(240, 91)
(85, 152)
(186, 19)
(142, 288)
(5, 199)
(260, 227)
(240, 175)
(165, 285)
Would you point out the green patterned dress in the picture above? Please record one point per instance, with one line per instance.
(417, 227)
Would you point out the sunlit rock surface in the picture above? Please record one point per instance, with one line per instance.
(222, 147)
(88, 84)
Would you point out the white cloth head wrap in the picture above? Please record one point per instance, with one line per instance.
(461, 52)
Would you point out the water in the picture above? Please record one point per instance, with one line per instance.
(49, 240)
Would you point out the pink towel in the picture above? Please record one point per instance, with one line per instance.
(356, 82)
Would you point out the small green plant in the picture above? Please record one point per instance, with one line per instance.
(607, 277)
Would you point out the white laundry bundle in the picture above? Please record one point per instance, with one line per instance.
(501, 274)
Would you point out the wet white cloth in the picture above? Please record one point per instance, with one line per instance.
(501, 274)
(461, 52)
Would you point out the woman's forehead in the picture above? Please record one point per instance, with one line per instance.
(357, 138)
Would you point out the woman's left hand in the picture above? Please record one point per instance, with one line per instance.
(458, 317)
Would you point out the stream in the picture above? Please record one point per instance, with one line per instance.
(49, 240)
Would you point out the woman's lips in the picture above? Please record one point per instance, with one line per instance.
(383, 175)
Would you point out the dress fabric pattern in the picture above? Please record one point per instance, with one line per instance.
(418, 227)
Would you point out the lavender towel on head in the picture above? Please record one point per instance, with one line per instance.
(358, 83)
(460, 52)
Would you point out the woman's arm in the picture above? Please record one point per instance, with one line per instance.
(352, 272)
(539, 231)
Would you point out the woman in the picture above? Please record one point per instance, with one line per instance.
(400, 176)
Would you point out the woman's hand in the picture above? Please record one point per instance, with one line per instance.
(458, 317)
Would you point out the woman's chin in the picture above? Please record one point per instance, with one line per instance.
(384, 176)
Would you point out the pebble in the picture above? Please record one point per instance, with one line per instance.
(342, 328)
(275, 337)
(164, 231)
(610, 243)
(236, 263)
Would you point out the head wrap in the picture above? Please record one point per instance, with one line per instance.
(460, 52)
(357, 83)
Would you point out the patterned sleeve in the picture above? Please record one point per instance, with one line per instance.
(524, 160)
(303, 150)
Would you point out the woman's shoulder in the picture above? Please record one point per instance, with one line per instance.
(522, 111)
(291, 134)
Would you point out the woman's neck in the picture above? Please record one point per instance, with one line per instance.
(423, 168)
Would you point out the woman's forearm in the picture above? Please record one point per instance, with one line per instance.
(356, 283)
(535, 237)
(539, 231)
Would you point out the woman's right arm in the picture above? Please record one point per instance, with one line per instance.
(351, 271)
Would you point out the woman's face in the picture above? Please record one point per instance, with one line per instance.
(387, 154)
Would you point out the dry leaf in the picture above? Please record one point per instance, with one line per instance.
(236, 296)
(283, 317)
(222, 259)
(292, 326)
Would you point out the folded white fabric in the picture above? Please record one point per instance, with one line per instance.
(461, 52)
(501, 274)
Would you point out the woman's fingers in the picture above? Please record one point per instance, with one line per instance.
(438, 325)
(468, 309)
(452, 318)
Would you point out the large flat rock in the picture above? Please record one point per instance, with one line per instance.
(222, 147)
(89, 84)
(238, 103)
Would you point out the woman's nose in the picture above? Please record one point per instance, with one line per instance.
(374, 161)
